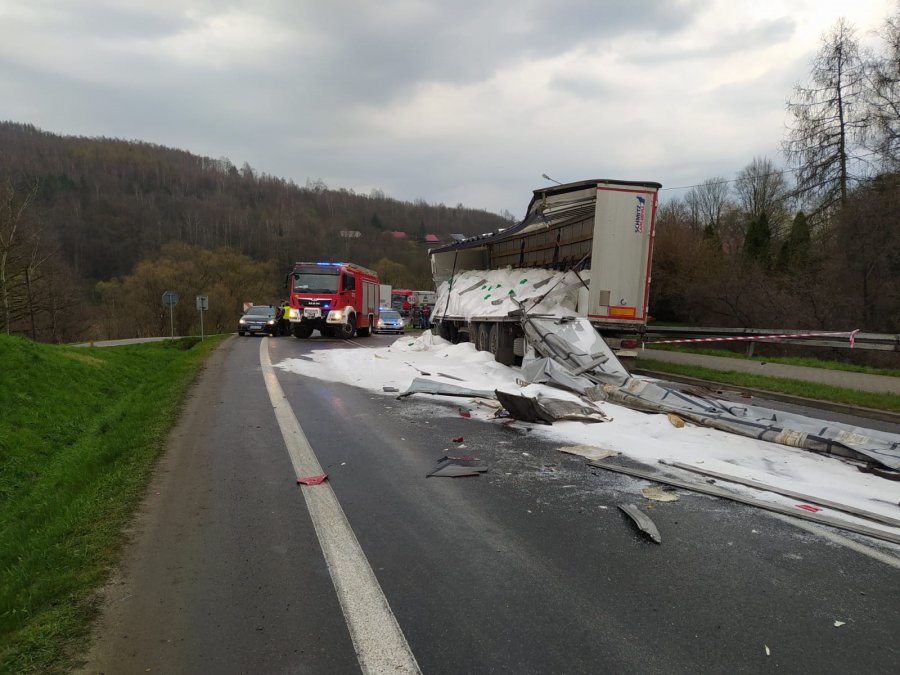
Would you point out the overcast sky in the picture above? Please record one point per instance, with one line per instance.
(466, 101)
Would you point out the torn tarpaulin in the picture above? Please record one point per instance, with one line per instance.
(545, 410)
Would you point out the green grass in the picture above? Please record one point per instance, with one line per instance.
(80, 431)
(788, 360)
(822, 392)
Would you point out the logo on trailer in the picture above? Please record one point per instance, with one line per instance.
(639, 215)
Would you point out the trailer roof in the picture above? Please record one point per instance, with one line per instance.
(530, 217)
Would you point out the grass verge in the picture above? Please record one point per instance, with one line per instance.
(80, 433)
(822, 392)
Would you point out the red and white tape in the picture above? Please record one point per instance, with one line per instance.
(743, 338)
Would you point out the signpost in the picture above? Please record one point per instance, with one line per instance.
(170, 299)
(202, 304)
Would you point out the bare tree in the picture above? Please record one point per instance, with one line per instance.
(13, 205)
(829, 120)
(707, 203)
(762, 190)
(884, 96)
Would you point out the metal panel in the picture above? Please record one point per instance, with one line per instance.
(621, 250)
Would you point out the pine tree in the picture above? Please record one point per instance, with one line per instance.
(794, 252)
(758, 242)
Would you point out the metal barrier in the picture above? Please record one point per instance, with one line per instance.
(855, 339)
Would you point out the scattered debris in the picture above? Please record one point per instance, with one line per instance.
(464, 413)
(769, 506)
(418, 370)
(659, 494)
(390, 388)
(451, 377)
(846, 508)
(312, 480)
(451, 466)
(838, 624)
(420, 385)
(642, 520)
(589, 452)
(768, 653)
(458, 440)
(676, 421)
(809, 507)
(547, 410)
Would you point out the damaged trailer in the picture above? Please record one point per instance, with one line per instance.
(586, 246)
(568, 354)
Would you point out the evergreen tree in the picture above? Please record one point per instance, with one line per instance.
(758, 242)
(794, 252)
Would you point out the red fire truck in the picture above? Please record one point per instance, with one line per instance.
(337, 299)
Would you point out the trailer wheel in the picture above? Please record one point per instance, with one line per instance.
(347, 330)
(482, 337)
(302, 331)
(443, 330)
(501, 344)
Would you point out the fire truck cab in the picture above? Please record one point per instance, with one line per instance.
(335, 298)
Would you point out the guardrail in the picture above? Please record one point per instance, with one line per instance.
(873, 341)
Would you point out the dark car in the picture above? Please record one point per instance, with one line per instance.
(389, 321)
(260, 319)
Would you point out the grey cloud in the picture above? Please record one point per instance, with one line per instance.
(725, 43)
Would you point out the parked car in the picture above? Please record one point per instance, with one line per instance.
(389, 321)
(260, 319)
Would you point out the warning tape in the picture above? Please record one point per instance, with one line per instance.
(739, 338)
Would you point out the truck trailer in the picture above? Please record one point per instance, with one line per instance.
(586, 246)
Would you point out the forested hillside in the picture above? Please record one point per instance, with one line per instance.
(75, 211)
(93, 231)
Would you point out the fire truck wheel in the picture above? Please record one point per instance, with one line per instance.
(347, 330)
(367, 330)
(301, 331)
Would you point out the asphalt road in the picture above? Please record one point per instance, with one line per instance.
(529, 568)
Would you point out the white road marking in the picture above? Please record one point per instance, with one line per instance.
(834, 538)
(380, 645)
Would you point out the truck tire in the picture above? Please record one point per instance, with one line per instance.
(482, 337)
(365, 331)
(347, 330)
(302, 331)
(501, 341)
(443, 330)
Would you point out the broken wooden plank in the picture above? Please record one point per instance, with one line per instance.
(750, 501)
(642, 520)
(837, 506)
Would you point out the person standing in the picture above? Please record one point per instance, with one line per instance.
(285, 318)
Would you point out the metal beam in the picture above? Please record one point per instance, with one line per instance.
(750, 501)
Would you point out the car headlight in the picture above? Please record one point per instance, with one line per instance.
(294, 313)
(337, 315)
(271, 322)
(242, 321)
